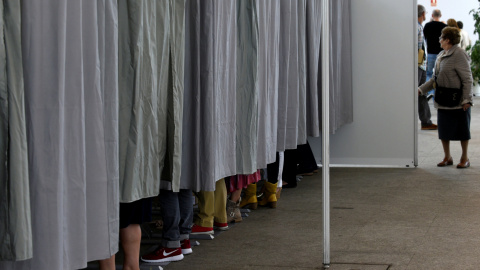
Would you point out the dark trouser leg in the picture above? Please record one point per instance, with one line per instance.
(171, 218)
(185, 201)
(306, 159)
(272, 171)
(290, 168)
(423, 108)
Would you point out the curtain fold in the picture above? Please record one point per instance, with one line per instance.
(292, 76)
(341, 95)
(247, 87)
(268, 76)
(314, 76)
(71, 115)
(209, 122)
(340, 61)
(15, 214)
(151, 96)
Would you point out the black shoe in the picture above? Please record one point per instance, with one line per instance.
(289, 186)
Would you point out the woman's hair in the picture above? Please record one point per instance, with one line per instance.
(452, 34)
(452, 23)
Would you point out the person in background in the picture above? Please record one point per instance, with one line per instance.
(432, 32)
(424, 113)
(465, 41)
(452, 71)
(452, 23)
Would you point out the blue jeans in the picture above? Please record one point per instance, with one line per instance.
(177, 214)
(431, 59)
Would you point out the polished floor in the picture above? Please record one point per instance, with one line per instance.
(405, 218)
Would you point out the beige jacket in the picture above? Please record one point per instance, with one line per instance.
(452, 69)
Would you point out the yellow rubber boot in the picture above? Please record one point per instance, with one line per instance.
(250, 199)
(269, 196)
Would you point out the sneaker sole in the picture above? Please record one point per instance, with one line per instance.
(187, 251)
(168, 259)
(207, 232)
(221, 228)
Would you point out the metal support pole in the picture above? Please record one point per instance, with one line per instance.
(325, 41)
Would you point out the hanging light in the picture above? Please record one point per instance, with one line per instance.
(433, 3)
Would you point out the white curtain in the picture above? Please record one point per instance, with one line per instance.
(70, 71)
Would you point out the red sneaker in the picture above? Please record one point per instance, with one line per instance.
(186, 247)
(164, 255)
(220, 226)
(201, 230)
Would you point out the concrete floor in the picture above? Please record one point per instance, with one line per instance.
(407, 218)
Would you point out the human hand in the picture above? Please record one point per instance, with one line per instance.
(419, 92)
(466, 106)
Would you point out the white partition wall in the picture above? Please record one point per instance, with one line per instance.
(383, 132)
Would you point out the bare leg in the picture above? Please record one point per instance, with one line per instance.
(446, 148)
(107, 264)
(130, 238)
(235, 196)
(464, 157)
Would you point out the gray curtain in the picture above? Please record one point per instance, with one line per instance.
(268, 68)
(209, 122)
(341, 95)
(15, 220)
(292, 76)
(150, 94)
(247, 87)
(341, 101)
(70, 73)
(314, 77)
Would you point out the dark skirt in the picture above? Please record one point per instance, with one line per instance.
(136, 212)
(454, 125)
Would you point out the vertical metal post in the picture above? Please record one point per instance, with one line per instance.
(415, 86)
(325, 41)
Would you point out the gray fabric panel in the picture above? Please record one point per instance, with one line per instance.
(199, 152)
(140, 99)
(284, 63)
(176, 90)
(302, 72)
(341, 100)
(15, 214)
(293, 74)
(268, 68)
(292, 84)
(68, 112)
(313, 33)
(247, 87)
(225, 74)
(100, 82)
(210, 89)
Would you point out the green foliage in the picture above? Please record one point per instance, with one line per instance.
(474, 50)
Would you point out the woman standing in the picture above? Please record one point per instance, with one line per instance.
(452, 72)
